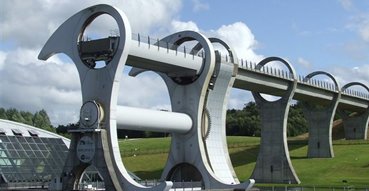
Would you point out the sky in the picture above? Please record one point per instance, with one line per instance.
(331, 35)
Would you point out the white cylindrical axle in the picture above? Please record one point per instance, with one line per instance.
(131, 118)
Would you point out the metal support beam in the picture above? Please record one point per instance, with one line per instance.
(131, 118)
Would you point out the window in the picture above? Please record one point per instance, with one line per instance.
(33, 133)
(17, 132)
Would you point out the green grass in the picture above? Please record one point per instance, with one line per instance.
(132, 147)
(351, 161)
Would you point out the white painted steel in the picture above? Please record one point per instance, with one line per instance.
(159, 59)
(131, 118)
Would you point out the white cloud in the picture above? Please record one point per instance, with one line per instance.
(239, 98)
(347, 4)
(303, 62)
(241, 39)
(54, 85)
(199, 6)
(30, 23)
(237, 35)
(181, 26)
(29, 84)
(360, 24)
(364, 30)
(346, 75)
(2, 59)
(146, 90)
(153, 14)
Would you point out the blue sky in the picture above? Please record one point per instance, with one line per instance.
(321, 32)
(330, 35)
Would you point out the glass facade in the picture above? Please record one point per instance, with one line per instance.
(30, 159)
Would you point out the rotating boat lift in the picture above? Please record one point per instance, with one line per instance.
(95, 141)
(199, 84)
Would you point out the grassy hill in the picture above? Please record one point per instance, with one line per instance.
(147, 157)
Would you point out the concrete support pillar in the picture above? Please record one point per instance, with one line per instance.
(320, 121)
(273, 164)
(356, 124)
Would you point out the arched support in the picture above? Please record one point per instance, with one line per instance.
(190, 98)
(216, 106)
(95, 141)
(356, 125)
(273, 164)
(320, 121)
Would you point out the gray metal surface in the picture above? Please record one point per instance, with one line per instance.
(216, 110)
(99, 86)
(188, 150)
(131, 118)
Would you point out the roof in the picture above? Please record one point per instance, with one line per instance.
(11, 128)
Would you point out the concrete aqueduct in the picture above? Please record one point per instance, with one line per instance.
(199, 83)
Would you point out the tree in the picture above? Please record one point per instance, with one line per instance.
(63, 129)
(42, 120)
(28, 117)
(13, 115)
(296, 124)
(3, 114)
(246, 122)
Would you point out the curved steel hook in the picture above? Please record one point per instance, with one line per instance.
(179, 38)
(231, 52)
(265, 61)
(291, 88)
(311, 75)
(354, 84)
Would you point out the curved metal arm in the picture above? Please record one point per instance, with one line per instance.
(291, 89)
(311, 75)
(354, 84)
(231, 52)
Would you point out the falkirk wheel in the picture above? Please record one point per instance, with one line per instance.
(198, 93)
(199, 83)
